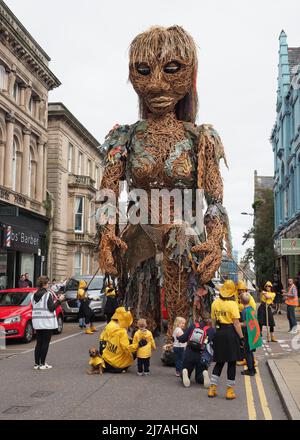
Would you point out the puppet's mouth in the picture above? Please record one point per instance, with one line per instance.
(161, 101)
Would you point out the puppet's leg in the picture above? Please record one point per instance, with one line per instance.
(176, 291)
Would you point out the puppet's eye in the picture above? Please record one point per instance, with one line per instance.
(172, 67)
(143, 69)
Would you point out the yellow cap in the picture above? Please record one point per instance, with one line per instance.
(268, 283)
(228, 289)
(241, 285)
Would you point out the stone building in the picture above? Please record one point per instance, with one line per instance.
(285, 141)
(25, 80)
(74, 175)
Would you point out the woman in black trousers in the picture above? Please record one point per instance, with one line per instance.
(44, 321)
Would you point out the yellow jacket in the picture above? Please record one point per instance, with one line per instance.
(252, 303)
(118, 349)
(144, 352)
(269, 300)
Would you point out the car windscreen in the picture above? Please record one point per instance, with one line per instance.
(14, 299)
(96, 284)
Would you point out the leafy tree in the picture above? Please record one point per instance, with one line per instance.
(262, 233)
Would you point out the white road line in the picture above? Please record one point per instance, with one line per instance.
(63, 339)
(284, 345)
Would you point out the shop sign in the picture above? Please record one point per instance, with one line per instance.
(19, 239)
(290, 246)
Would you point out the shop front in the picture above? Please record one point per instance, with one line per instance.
(22, 250)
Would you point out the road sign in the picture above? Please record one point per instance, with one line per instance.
(290, 246)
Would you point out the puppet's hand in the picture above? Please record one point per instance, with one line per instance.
(109, 241)
(211, 251)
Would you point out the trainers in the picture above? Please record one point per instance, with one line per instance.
(177, 374)
(45, 367)
(147, 373)
(36, 367)
(294, 330)
(185, 378)
(140, 374)
(206, 379)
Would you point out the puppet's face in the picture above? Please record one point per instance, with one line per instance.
(161, 84)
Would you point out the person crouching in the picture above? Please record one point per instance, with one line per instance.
(197, 355)
(144, 342)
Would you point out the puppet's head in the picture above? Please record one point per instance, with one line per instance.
(163, 70)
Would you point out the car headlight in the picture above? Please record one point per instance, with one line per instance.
(12, 319)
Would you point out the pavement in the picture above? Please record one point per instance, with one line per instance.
(66, 392)
(285, 368)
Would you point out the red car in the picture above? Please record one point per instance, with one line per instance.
(16, 314)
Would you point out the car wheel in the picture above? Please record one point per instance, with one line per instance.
(60, 323)
(28, 333)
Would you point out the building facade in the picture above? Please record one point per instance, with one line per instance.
(25, 80)
(285, 139)
(74, 175)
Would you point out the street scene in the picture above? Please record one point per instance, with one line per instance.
(149, 213)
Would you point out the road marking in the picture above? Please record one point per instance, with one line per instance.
(262, 396)
(63, 339)
(284, 345)
(250, 399)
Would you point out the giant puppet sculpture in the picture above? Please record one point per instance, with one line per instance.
(164, 150)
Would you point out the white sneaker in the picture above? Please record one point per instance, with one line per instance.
(36, 367)
(185, 378)
(45, 367)
(206, 379)
(294, 330)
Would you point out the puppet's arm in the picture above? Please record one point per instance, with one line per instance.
(114, 151)
(210, 150)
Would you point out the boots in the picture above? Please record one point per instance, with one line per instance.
(93, 328)
(212, 391)
(241, 363)
(89, 331)
(230, 395)
(273, 339)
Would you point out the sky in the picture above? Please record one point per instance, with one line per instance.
(237, 78)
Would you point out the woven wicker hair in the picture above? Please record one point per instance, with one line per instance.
(166, 44)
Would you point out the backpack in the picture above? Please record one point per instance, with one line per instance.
(198, 338)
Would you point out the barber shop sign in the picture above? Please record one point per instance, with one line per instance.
(20, 239)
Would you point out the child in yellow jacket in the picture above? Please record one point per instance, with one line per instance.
(144, 342)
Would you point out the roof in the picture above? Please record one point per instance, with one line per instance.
(294, 58)
(58, 109)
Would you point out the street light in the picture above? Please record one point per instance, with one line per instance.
(246, 213)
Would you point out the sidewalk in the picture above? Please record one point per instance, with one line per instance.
(286, 374)
(285, 371)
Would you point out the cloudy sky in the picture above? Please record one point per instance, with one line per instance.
(237, 80)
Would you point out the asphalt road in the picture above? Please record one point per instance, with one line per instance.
(67, 392)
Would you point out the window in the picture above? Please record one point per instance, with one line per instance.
(79, 207)
(16, 92)
(30, 105)
(70, 158)
(79, 164)
(88, 264)
(30, 172)
(14, 166)
(78, 263)
(3, 78)
(96, 177)
(90, 168)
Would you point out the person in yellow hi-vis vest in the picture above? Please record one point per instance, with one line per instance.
(240, 289)
(115, 347)
(264, 312)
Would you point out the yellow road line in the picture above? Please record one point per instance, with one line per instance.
(262, 396)
(250, 399)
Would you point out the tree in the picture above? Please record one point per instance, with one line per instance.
(262, 233)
